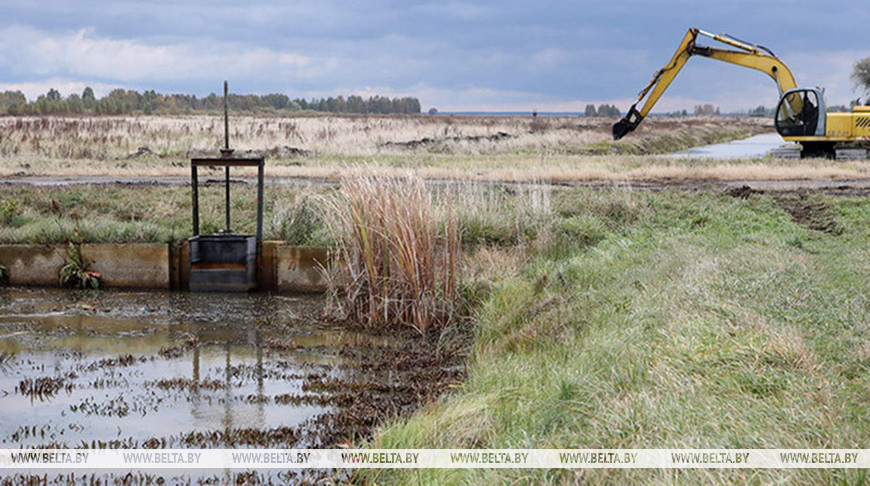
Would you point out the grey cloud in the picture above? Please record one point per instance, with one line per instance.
(560, 51)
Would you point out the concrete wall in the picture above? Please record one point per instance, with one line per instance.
(300, 269)
(32, 264)
(282, 268)
(286, 268)
(139, 265)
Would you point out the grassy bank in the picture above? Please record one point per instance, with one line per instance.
(152, 214)
(647, 320)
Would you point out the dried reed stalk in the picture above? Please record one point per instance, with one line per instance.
(397, 263)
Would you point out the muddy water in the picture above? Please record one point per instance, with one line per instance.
(757, 146)
(159, 369)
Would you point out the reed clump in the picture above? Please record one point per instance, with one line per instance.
(398, 255)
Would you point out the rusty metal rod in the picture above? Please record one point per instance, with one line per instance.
(227, 148)
(226, 116)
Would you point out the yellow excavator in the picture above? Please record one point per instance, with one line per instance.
(800, 115)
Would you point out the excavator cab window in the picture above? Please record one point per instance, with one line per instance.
(798, 113)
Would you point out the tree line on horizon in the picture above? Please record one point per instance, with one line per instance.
(602, 110)
(126, 102)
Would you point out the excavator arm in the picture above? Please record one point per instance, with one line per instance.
(747, 55)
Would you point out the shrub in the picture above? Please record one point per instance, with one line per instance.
(8, 210)
(300, 224)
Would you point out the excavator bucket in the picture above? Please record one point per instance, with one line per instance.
(621, 128)
(627, 124)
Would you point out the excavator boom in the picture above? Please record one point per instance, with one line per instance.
(743, 54)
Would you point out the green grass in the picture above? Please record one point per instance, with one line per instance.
(488, 215)
(665, 320)
(152, 214)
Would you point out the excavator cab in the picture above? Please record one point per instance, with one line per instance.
(801, 113)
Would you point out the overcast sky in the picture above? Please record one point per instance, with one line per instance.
(454, 55)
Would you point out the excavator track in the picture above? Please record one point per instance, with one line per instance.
(850, 153)
(794, 151)
(786, 152)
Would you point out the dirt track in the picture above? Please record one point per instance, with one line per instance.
(833, 187)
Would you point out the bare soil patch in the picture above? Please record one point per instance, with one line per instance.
(426, 141)
(810, 212)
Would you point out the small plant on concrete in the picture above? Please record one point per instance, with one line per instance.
(75, 273)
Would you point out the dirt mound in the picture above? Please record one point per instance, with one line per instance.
(743, 192)
(285, 152)
(434, 141)
(141, 152)
(810, 213)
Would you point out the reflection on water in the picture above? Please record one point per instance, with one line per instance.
(137, 369)
(752, 147)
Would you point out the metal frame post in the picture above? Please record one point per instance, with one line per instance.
(260, 201)
(227, 203)
(195, 185)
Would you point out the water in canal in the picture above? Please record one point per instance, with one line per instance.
(119, 369)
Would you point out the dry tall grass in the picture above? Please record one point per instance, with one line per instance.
(477, 148)
(398, 262)
(168, 137)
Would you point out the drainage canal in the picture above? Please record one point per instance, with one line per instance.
(112, 369)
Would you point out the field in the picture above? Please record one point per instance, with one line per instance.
(499, 148)
(615, 299)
